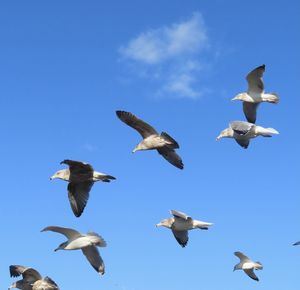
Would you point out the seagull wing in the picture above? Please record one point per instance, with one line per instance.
(251, 274)
(178, 214)
(242, 257)
(93, 256)
(240, 127)
(131, 120)
(28, 274)
(182, 237)
(255, 81)
(171, 156)
(45, 284)
(250, 111)
(243, 143)
(69, 233)
(296, 244)
(78, 169)
(78, 193)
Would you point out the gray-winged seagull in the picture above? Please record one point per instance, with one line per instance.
(180, 224)
(163, 143)
(242, 132)
(247, 265)
(255, 94)
(81, 177)
(88, 243)
(32, 279)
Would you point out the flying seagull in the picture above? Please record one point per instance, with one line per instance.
(255, 94)
(242, 132)
(88, 243)
(81, 177)
(163, 143)
(296, 244)
(32, 279)
(247, 265)
(180, 224)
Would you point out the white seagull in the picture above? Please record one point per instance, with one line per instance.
(180, 224)
(32, 279)
(255, 94)
(247, 265)
(81, 177)
(163, 143)
(88, 243)
(242, 132)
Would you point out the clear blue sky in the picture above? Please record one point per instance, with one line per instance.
(66, 66)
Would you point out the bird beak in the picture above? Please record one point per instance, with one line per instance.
(219, 137)
(134, 150)
(158, 225)
(52, 177)
(234, 99)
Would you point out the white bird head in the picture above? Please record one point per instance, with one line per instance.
(164, 223)
(139, 147)
(227, 133)
(61, 174)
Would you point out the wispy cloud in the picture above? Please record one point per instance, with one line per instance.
(170, 56)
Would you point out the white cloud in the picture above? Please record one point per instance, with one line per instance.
(170, 55)
(155, 46)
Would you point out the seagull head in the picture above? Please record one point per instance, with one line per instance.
(139, 147)
(242, 97)
(61, 174)
(227, 133)
(236, 267)
(164, 223)
(61, 246)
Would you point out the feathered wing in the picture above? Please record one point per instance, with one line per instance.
(79, 171)
(182, 237)
(243, 142)
(78, 193)
(28, 274)
(240, 127)
(251, 274)
(45, 284)
(250, 111)
(93, 256)
(67, 232)
(171, 156)
(178, 214)
(255, 81)
(131, 120)
(242, 257)
(168, 138)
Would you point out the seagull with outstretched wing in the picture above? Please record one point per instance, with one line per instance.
(88, 243)
(163, 143)
(180, 224)
(247, 265)
(81, 178)
(255, 94)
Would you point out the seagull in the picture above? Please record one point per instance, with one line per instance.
(296, 244)
(81, 177)
(255, 94)
(163, 143)
(242, 132)
(247, 265)
(32, 279)
(180, 224)
(88, 243)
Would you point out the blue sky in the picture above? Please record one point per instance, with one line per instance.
(66, 66)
